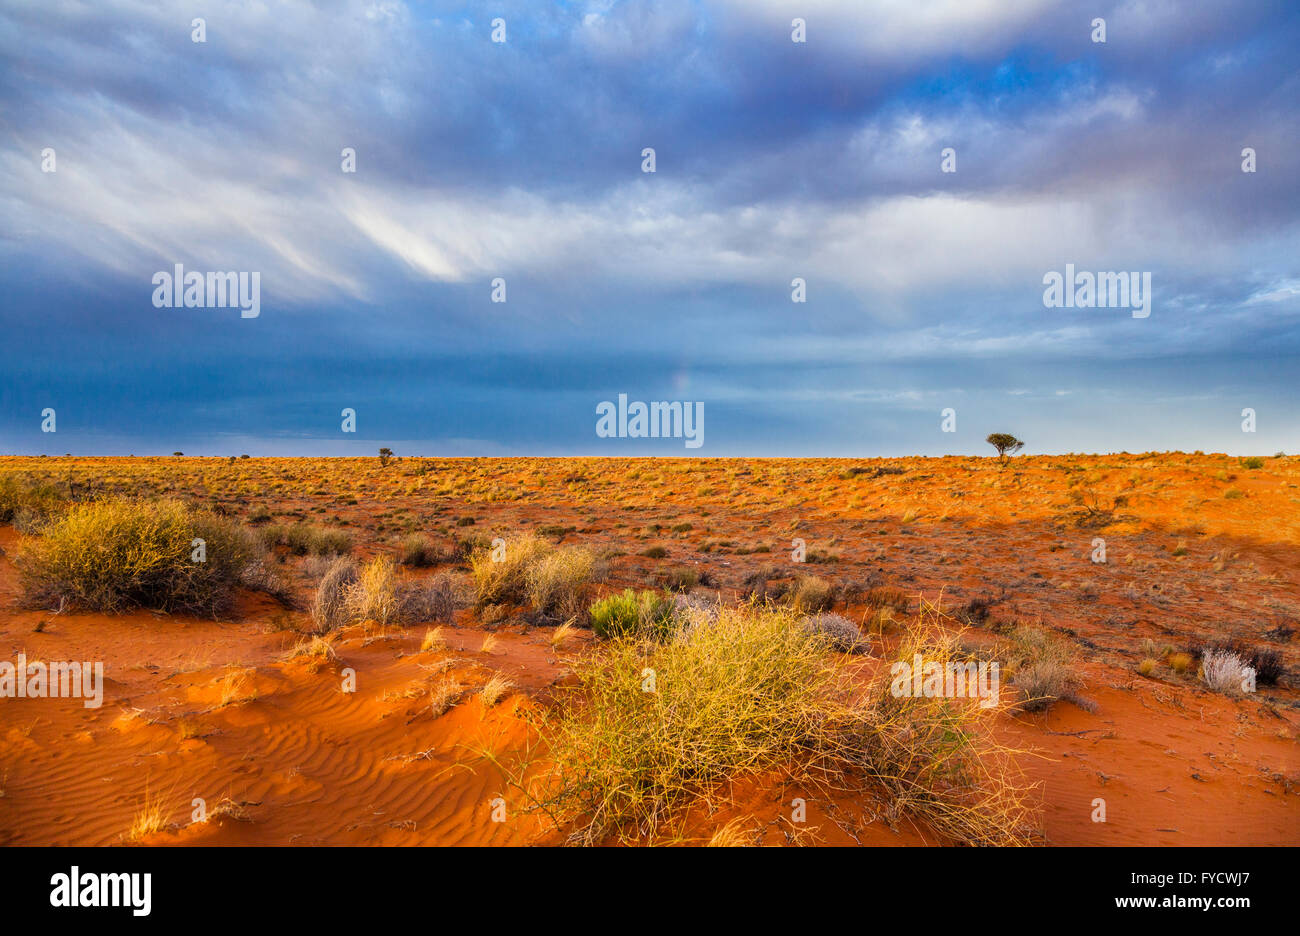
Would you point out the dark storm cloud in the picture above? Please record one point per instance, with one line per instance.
(775, 159)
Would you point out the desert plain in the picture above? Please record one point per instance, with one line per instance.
(255, 725)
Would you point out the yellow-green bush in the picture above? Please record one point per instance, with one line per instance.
(114, 555)
(650, 728)
(24, 497)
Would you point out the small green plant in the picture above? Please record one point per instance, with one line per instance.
(646, 613)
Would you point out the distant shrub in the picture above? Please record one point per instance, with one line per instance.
(555, 531)
(886, 596)
(1005, 443)
(976, 612)
(820, 556)
(417, 551)
(303, 539)
(1252, 463)
(115, 555)
(645, 613)
(1180, 662)
(1147, 666)
(810, 594)
(654, 552)
(681, 579)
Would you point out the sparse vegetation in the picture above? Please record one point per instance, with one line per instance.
(302, 539)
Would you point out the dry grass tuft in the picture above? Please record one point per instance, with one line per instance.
(443, 695)
(151, 820)
(562, 634)
(735, 834)
(506, 581)
(317, 651)
(811, 594)
(329, 609)
(237, 686)
(494, 690)
(1224, 671)
(373, 597)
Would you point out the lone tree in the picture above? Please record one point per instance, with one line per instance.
(385, 454)
(1005, 443)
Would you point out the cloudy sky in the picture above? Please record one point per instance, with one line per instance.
(774, 160)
